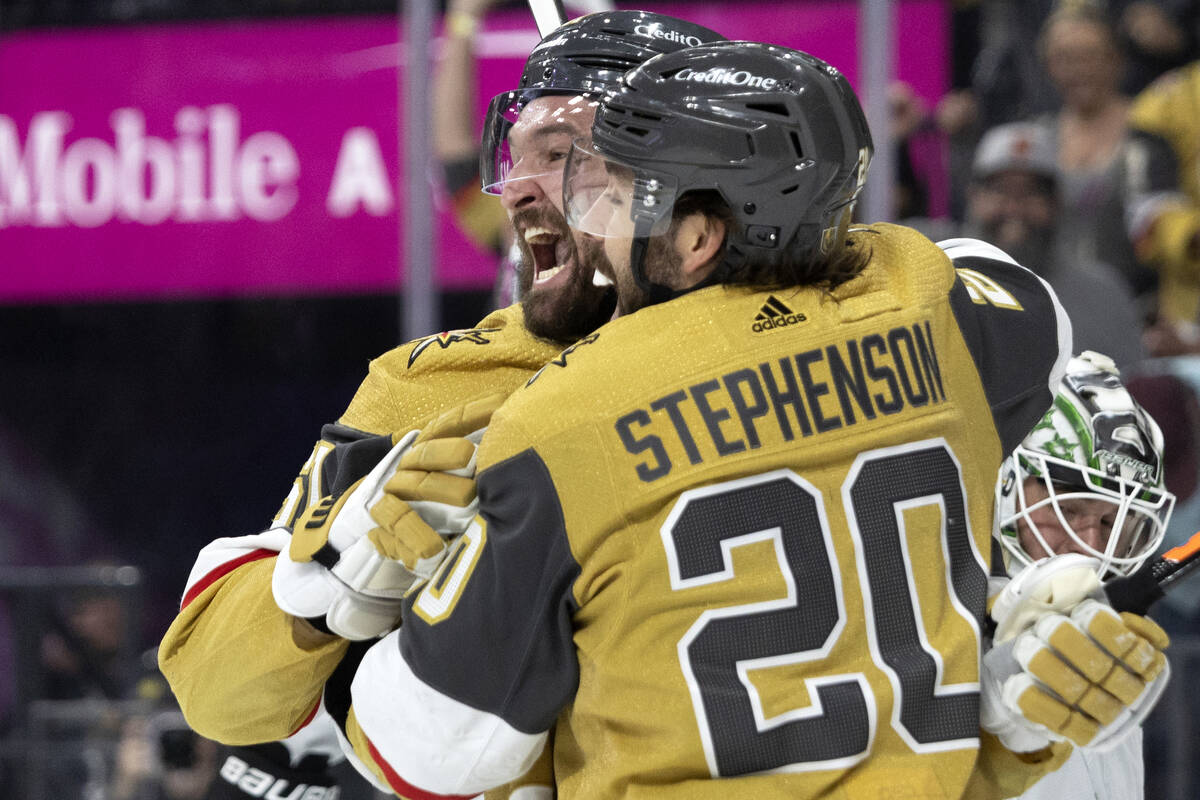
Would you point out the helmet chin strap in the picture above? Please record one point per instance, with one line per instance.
(655, 292)
(731, 258)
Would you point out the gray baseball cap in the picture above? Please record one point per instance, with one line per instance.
(1021, 146)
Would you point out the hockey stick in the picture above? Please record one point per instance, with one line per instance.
(1139, 591)
(548, 14)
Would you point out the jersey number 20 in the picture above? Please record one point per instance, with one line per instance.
(724, 644)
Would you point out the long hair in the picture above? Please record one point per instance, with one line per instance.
(800, 262)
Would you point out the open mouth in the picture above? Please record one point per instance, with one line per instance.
(549, 251)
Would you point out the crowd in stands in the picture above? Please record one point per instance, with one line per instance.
(1076, 111)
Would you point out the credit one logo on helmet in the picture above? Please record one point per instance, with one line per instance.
(726, 76)
(659, 32)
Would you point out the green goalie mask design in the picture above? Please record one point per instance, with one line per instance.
(1095, 444)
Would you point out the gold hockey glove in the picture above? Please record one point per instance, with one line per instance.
(1066, 666)
(353, 557)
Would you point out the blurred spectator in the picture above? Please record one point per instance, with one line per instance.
(456, 143)
(86, 653)
(79, 665)
(998, 77)
(1014, 203)
(1105, 169)
(1006, 80)
(917, 155)
(160, 758)
(1168, 231)
(1157, 36)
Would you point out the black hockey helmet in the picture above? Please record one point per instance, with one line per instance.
(585, 57)
(777, 133)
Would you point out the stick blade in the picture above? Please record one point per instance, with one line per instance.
(548, 14)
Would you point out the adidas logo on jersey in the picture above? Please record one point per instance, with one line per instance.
(775, 314)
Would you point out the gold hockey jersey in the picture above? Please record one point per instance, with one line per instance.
(735, 545)
(243, 671)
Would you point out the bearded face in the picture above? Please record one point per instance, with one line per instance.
(1015, 211)
(612, 257)
(600, 194)
(560, 301)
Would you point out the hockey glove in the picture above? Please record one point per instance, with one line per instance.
(353, 557)
(1065, 666)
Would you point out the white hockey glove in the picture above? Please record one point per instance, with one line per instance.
(1065, 666)
(353, 557)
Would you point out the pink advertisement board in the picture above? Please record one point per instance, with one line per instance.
(257, 158)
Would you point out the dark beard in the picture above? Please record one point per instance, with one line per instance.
(661, 266)
(1035, 251)
(567, 314)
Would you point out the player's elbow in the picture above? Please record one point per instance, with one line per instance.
(228, 720)
(421, 738)
(464, 767)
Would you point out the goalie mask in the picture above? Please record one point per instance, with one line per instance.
(778, 134)
(584, 57)
(1091, 471)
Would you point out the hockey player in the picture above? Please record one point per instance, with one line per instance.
(1088, 479)
(1081, 499)
(733, 544)
(245, 671)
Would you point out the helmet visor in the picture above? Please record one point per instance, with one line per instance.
(606, 198)
(528, 133)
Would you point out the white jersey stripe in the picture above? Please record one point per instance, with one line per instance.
(221, 556)
(443, 746)
(1066, 339)
(974, 248)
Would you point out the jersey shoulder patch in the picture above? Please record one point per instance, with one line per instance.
(443, 341)
(1016, 330)
(410, 385)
